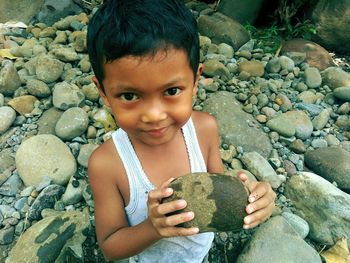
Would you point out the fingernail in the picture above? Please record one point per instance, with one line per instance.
(190, 215)
(251, 199)
(250, 209)
(169, 190)
(247, 220)
(245, 226)
(182, 203)
(195, 230)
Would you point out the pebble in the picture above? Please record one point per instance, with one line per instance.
(7, 117)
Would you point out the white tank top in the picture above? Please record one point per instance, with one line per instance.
(189, 249)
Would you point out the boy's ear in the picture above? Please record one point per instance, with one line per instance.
(101, 91)
(198, 74)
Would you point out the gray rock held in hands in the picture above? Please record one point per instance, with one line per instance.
(218, 201)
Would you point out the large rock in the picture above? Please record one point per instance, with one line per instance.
(45, 155)
(242, 11)
(55, 238)
(292, 123)
(276, 241)
(322, 205)
(222, 29)
(51, 11)
(335, 77)
(72, 123)
(218, 201)
(19, 10)
(332, 163)
(47, 121)
(315, 55)
(9, 79)
(332, 19)
(237, 127)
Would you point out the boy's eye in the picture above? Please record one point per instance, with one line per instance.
(172, 91)
(129, 96)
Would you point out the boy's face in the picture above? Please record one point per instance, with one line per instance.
(150, 96)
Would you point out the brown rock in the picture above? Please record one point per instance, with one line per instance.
(218, 201)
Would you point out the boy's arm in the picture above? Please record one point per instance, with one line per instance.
(115, 237)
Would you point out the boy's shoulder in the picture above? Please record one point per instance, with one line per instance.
(104, 159)
(204, 122)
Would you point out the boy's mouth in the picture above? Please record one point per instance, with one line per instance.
(157, 132)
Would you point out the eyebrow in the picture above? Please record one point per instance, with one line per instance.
(132, 88)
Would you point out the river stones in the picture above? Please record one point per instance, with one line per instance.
(217, 200)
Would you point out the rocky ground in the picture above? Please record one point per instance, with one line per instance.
(279, 118)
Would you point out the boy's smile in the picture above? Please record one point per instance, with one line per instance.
(150, 96)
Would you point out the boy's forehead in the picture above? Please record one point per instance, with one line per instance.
(157, 55)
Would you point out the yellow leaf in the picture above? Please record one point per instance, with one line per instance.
(339, 253)
(5, 53)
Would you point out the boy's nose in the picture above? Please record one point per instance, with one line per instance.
(153, 113)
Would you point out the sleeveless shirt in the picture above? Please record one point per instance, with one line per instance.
(189, 249)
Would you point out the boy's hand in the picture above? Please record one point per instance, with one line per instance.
(166, 225)
(261, 202)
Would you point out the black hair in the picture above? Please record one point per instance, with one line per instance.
(121, 28)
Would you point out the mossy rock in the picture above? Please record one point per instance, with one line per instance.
(217, 200)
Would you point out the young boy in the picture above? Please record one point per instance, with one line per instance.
(145, 56)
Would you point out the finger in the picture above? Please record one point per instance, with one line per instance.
(259, 216)
(156, 195)
(178, 231)
(241, 175)
(258, 190)
(177, 219)
(259, 204)
(169, 207)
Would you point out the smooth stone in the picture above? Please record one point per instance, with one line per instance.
(332, 140)
(342, 93)
(235, 126)
(312, 77)
(7, 117)
(297, 146)
(47, 121)
(73, 194)
(72, 123)
(320, 121)
(45, 155)
(286, 63)
(84, 153)
(210, 197)
(7, 235)
(253, 67)
(332, 163)
(91, 92)
(260, 167)
(335, 77)
(102, 117)
(46, 199)
(268, 244)
(46, 62)
(9, 79)
(226, 50)
(51, 239)
(11, 186)
(66, 95)
(344, 108)
(292, 123)
(273, 65)
(23, 104)
(319, 143)
(65, 54)
(327, 214)
(38, 88)
(307, 97)
(213, 68)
